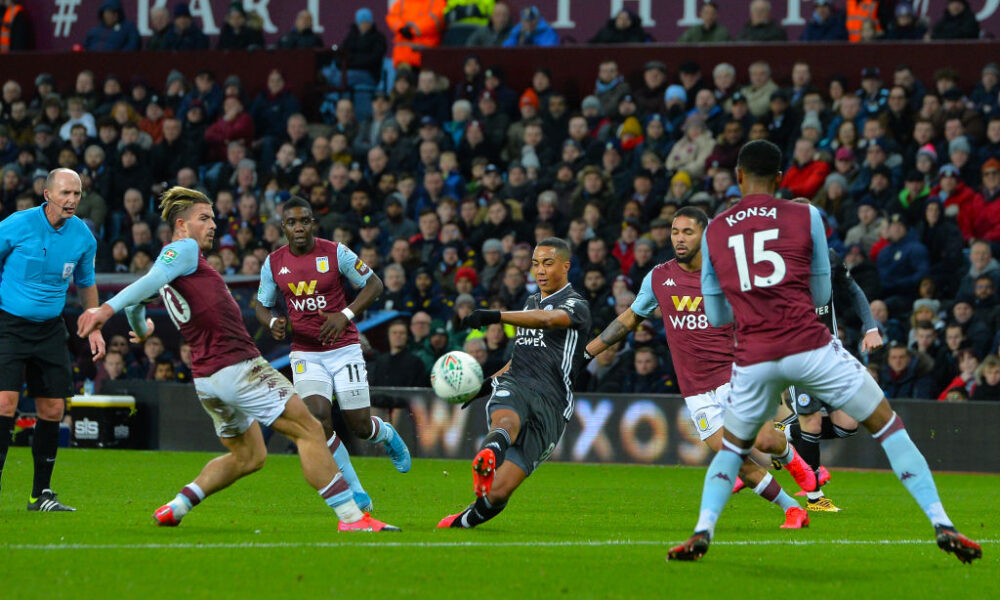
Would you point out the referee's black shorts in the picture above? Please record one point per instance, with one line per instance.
(36, 352)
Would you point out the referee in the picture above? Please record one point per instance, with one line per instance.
(40, 250)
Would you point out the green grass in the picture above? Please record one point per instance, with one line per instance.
(574, 531)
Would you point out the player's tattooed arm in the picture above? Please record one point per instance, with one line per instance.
(616, 331)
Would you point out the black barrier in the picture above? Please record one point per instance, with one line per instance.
(604, 428)
(658, 430)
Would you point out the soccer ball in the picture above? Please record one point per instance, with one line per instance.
(456, 377)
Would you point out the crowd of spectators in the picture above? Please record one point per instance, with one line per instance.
(444, 187)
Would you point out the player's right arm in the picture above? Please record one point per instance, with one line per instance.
(643, 306)
(717, 307)
(267, 298)
(177, 259)
(530, 319)
(819, 274)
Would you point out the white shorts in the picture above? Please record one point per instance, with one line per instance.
(341, 370)
(240, 394)
(707, 410)
(828, 372)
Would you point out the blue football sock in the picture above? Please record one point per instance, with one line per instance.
(911, 468)
(719, 481)
(343, 460)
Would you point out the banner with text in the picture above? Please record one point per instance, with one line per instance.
(59, 24)
(659, 430)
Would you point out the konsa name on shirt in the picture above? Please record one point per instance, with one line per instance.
(753, 211)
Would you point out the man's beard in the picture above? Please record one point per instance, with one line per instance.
(687, 258)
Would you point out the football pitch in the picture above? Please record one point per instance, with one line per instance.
(572, 530)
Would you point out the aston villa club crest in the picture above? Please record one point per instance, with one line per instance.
(322, 264)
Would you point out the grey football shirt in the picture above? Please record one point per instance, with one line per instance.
(547, 361)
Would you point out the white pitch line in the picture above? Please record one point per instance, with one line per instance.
(470, 544)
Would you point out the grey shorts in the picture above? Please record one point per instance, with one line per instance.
(542, 425)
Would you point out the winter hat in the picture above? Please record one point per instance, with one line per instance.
(529, 97)
(835, 178)
(529, 159)
(631, 126)
(811, 121)
(681, 176)
(844, 153)
(934, 305)
(363, 15)
(493, 245)
(467, 273)
(590, 102)
(928, 150)
(675, 92)
(174, 75)
(959, 144)
(465, 299)
(948, 170)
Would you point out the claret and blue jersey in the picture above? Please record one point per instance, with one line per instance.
(768, 258)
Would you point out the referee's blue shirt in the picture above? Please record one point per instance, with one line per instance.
(37, 260)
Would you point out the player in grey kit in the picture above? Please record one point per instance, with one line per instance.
(532, 395)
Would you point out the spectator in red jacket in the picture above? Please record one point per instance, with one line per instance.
(984, 208)
(624, 249)
(957, 198)
(806, 175)
(234, 125)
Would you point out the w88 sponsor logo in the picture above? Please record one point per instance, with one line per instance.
(311, 304)
(689, 321)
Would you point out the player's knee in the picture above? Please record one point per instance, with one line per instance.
(8, 404)
(311, 428)
(508, 421)
(252, 460)
(255, 463)
(49, 409)
(811, 423)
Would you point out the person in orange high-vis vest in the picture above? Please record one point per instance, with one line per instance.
(857, 12)
(13, 27)
(417, 24)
